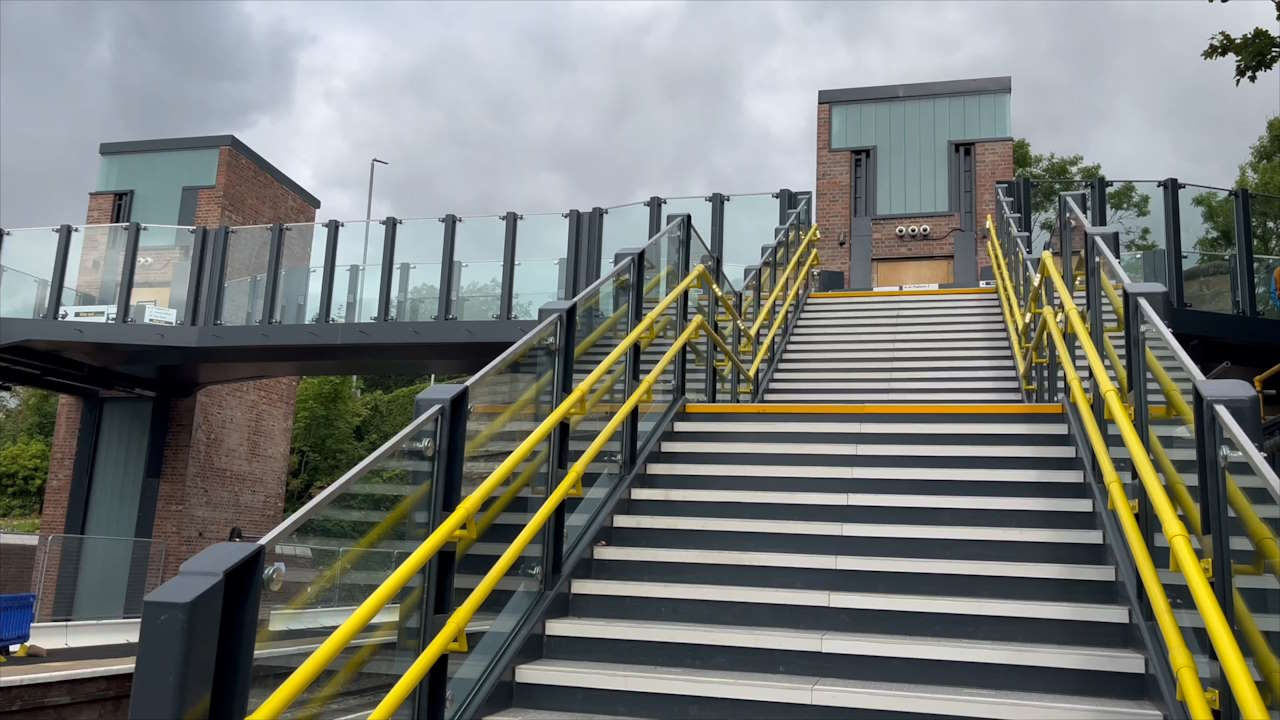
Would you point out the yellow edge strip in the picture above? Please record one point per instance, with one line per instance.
(882, 293)
(821, 409)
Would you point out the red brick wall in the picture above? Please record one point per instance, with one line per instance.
(832, 205)
(226, 450)
(993, 161)
(885, 242)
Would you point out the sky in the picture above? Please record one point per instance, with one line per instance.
(487, 107)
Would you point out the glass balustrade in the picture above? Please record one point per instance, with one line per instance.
(162, 275)
(625, 227)
(478, 252)
(541, 239)
(26, 270)
(95, 263)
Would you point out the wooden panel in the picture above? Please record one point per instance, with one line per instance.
(910, 271)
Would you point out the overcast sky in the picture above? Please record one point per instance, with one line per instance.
(488, 107)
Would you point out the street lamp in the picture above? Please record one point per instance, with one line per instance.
(368, 220)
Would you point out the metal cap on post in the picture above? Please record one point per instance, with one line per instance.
(196, 637)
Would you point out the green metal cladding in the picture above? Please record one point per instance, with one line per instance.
(910, 138)
(157, 179)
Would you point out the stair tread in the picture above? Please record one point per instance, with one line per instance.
(830, 692)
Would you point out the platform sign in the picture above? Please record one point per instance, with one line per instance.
(154, 315)
(920, 286)
(89, 313)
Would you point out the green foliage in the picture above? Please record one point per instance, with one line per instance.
(1126, 204)
(1260, 172)
(324, 436)
(27, 412)
(383, 414)
(24, 465)
(1255, 52)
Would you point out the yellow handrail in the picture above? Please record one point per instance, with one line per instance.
(766, 307)
(452, 637)
(1220, 634)
(461, 525)
(1235, 669)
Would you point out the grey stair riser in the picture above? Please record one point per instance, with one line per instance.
(1049, 441)
(878, 669)
(885, 620)
(1004, 551)
(1011, 588)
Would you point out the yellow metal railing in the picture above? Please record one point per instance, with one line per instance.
(463, 525)
(1049, 336)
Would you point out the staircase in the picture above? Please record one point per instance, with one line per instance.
(898, 348)
(839, 560)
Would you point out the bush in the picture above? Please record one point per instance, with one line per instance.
(24, 465)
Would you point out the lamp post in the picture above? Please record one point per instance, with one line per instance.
(368, 219)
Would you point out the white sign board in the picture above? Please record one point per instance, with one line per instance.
(921, 286)
(89, 313)
(160, 315)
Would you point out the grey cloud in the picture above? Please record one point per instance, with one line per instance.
(487, 107)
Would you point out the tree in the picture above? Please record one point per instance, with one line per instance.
(324, 436)
(27, 412)
(1255, 52)
(24, 465)
(1260, 172)
(1126, 204)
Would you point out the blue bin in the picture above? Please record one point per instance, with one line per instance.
(17, 612)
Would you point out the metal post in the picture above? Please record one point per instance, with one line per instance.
(1173, 242)
(195, 643)
(446, 492)
(1211, 458)
(215, 261)
(735, 342)
(327, 270)
(682, 306)
(403, 309)
(635, 311)
(56, 280)
(388, 268)
(1093, 302)
(1244, 253)
(553, 540)
(784, 196)
(445, 308)
(128, 264)
(595, 236)
(275, 249)
(717, 201)
(190, 311)
(1098, 202)
(654, 203)
(506, 298)
(354, 273)
(573, 255)
(1135, 348)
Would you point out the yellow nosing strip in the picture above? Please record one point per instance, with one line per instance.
(829, 409)
(886, 293)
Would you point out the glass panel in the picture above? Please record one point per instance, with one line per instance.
(415, 275)
(701, 302)
(698, 207)
(661, 272)
(91, 285)
(603, 322)
(83, 577)
(344, 548)
(1169, 380)
(244, 277)
(161, 277)
(478, 248)
(541, 239)
(626, 227)
(1137, 208)
(1206, 281)
(357, 270)
(1265, 224)
(1044, 209)
(1253, 500)
(301, 273)
(26, 269)
(508, 399)
(750, 221)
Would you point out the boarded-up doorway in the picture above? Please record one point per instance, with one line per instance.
(911, 271)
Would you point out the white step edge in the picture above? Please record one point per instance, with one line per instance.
(886, 385)
(792, 375)
(989, 397)
(859, 563)
(942, 604)
(798, 364)
(948, 502)
(1076, 536)
(909, 425)
(843, 643)
(857, 472)
(518, 713)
